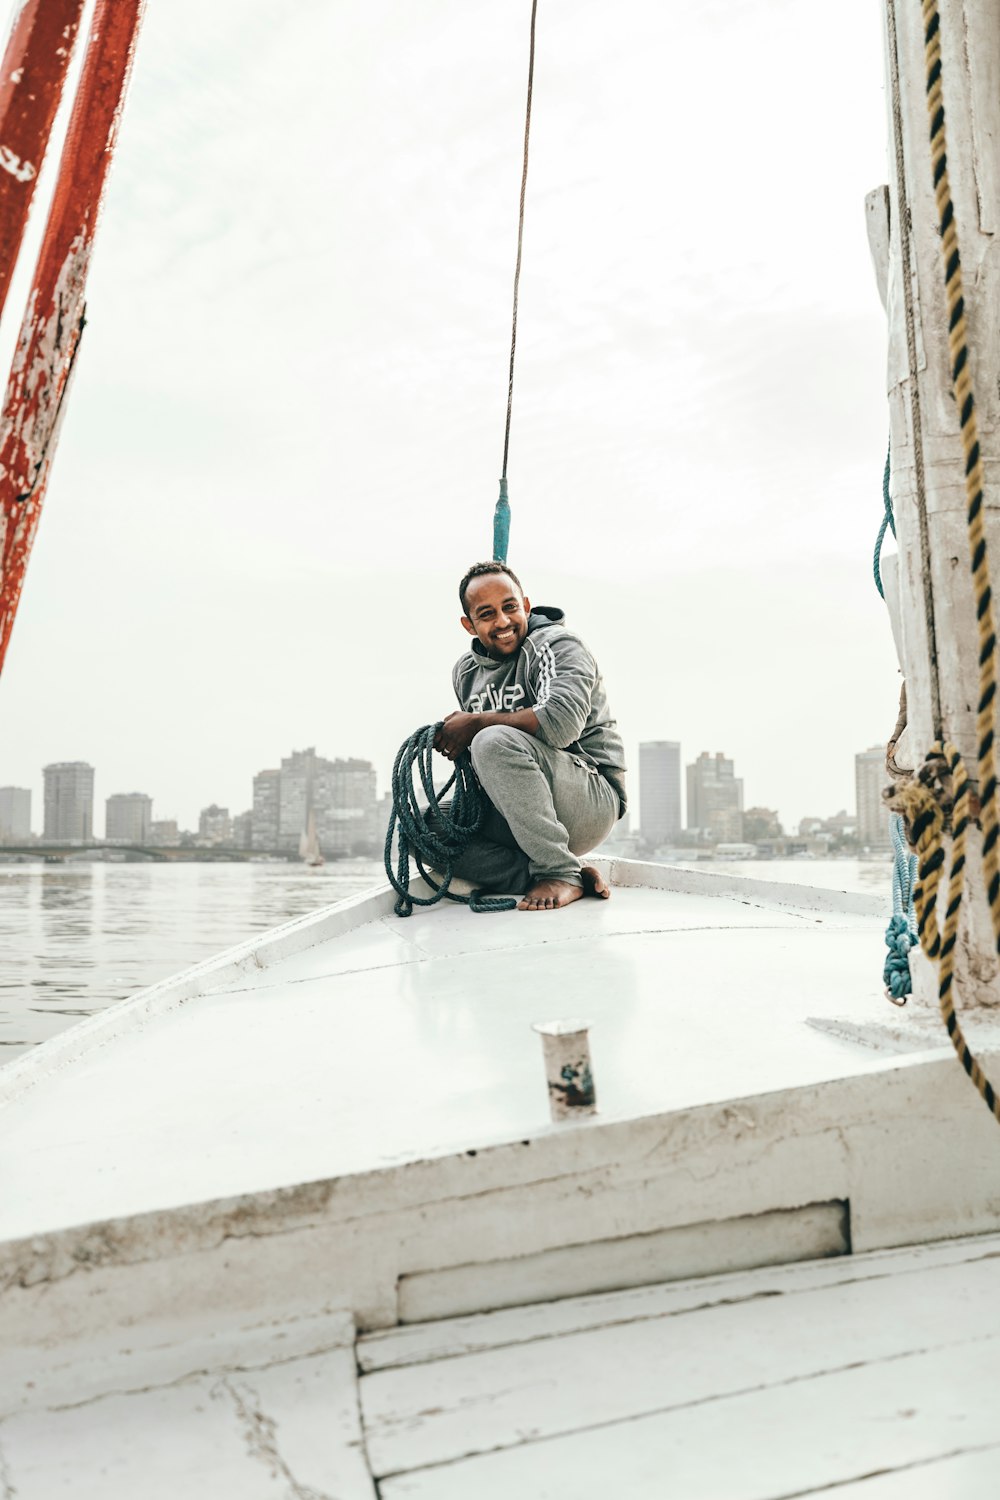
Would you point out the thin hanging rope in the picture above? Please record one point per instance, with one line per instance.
(520, 237)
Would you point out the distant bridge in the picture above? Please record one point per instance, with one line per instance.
(157, 853)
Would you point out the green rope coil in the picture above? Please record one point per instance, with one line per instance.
(438, 835)
(888, 520)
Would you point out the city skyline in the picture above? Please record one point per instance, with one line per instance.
(869, 814)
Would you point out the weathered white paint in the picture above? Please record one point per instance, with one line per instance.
(408, 1039)
(971, 93)
(756, 1386)
(804, 1233)
(419, 1343)
(749, 1352)
(805, 1437)
(289, 1429)
(201, 1193)
(21, 171)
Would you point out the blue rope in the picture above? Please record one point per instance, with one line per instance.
(438, 836)
(501, 525)
(901, 933)
(888, 520)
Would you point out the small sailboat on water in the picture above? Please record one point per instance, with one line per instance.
(309, 850)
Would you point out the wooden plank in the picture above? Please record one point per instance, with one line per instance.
(807, 1233)
(793, 1439)
(437, 1413)
(964, 1476)
(416, 1343)
(290, 1430)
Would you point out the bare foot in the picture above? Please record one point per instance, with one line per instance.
(594, 883)
(549, 895)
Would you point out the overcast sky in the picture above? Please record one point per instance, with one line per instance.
(284, 438)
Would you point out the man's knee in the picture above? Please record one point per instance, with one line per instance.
(497, 741)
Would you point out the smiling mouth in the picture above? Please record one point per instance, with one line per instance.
(503, 636)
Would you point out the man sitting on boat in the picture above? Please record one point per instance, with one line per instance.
(535, 719)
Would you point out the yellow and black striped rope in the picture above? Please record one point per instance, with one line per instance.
(926, 820)
(964, 396)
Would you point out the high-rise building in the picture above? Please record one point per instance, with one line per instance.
(128, 818)
(297, 797)
(345, 804)
(215, 824)
(243, 830)
(15, 814)
(69, 802)
(870, 776)
(715, 798)
(659, 791)
(265, 813)
(339, 794)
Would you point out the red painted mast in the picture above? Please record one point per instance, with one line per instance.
(53, 321)
(31, 83)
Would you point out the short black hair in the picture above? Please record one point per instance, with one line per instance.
(481, 570)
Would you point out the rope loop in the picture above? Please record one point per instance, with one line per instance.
(436, 835)
(896, 974)
(935, 801)
(901, 933)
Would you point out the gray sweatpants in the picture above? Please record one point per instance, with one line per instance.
(546, 808)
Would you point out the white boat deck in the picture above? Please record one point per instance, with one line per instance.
(403, 1039)
(343, 1126)
(873, 1377)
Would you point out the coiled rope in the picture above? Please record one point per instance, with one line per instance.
(437, 835)
(943, 780)
(501, 515)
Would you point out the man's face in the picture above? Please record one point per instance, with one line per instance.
(498, 613)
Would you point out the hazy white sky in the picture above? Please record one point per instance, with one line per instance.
(284, 439)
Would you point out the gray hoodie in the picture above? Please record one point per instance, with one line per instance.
(552, 672)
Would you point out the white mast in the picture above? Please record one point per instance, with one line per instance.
(929, 588)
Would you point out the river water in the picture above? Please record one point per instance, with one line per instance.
(76, 937)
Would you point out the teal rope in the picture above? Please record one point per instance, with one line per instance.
(888, 520)
(901, 933)
(453, 828)
(501, 525)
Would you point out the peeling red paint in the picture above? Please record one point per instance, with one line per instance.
(31, 83)
(53, 321)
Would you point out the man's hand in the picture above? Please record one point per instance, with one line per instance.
(457, 733)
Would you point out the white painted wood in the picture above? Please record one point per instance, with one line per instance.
(323, 1065)
(607, 1265)
(906, 1141)
(789, 1440)
(877, 224)
(964, 1476)
(971, 84)
(177, 1347)
(361, 933)
(420, 1343)
(437, 1413)
(290, 1430)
